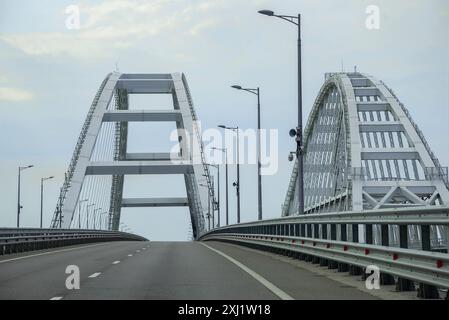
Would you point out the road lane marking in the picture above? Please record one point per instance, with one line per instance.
(137, 250)
(56, 298)
(278, 292)
(130, 255)
(50, 252)
(94, 275)
(144, 248)
(116, 262)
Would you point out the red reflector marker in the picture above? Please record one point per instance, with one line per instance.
(345, 248)
(328, 245)
(395, 256)
(302, 242)
(293, 241)
(366, 251)
(440, 264)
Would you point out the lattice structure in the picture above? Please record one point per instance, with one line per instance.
(100, 161)
(363, 151)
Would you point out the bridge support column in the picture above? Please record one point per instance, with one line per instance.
(404, 284)
(427, 291)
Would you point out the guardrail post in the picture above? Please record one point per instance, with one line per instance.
(404, 284)
(323, 262)
(385, 279)
(333, 264)
(355, 270)
(427, 291)
(369, 233)
(343, 267)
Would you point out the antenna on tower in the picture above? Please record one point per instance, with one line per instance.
(116, 67)
(355, 69)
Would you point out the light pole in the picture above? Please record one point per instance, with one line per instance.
(236, 184)
(79, 212)
(19, 206)
(95, 217)
(87, 220)
(259, 175)
(224, 150)
(208, 204)
(42, 196)
(296, 20)
(100, 218)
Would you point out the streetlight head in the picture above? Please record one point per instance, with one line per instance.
(222, 126)
(267, 12)
(237, 87)
(30, 166)
(51, 177)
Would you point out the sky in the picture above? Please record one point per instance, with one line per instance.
(49, 75)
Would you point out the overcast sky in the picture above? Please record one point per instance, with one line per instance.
(49, 76)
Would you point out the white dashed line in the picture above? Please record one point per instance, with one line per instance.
(116, 262)
(94, 275)
(278, 292)
(130, 255)
(137, 250)
(144, 248)
(56, 298)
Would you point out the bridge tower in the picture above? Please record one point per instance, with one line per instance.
(100, 160)
(364, 151)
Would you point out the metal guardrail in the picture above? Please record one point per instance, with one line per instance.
(316, 235)
(21, 240)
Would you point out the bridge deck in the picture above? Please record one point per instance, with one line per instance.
(164, 270)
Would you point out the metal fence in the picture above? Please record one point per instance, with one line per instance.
(20, 240)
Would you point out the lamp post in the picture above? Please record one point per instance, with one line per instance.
(87, 220)
(95, 217)
(224, 150)
(296, 20)
(259, 175)
(79, 212)
(42, 196)
(236, 184)
(19, 206)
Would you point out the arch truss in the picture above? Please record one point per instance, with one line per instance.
(101, 160)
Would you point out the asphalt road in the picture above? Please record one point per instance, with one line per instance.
(163, 270)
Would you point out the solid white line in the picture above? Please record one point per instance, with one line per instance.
(116, 262)
(56, 298)
(278, 292)
(50, 252)
(94, 275)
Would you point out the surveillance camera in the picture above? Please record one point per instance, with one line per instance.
(292, 133)
(290, 157)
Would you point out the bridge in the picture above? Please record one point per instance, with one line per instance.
(376, 198)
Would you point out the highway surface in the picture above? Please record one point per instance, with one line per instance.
(163, 270)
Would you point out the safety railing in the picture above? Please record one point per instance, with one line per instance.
(346, 238)
(21, 240)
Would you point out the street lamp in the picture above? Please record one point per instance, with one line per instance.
(296, 20)
(79, 212)
(87, 209)
(236, 184)
(224, 150)
(19, 206)
(95, 217)
(259, 175)
(42, 195)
